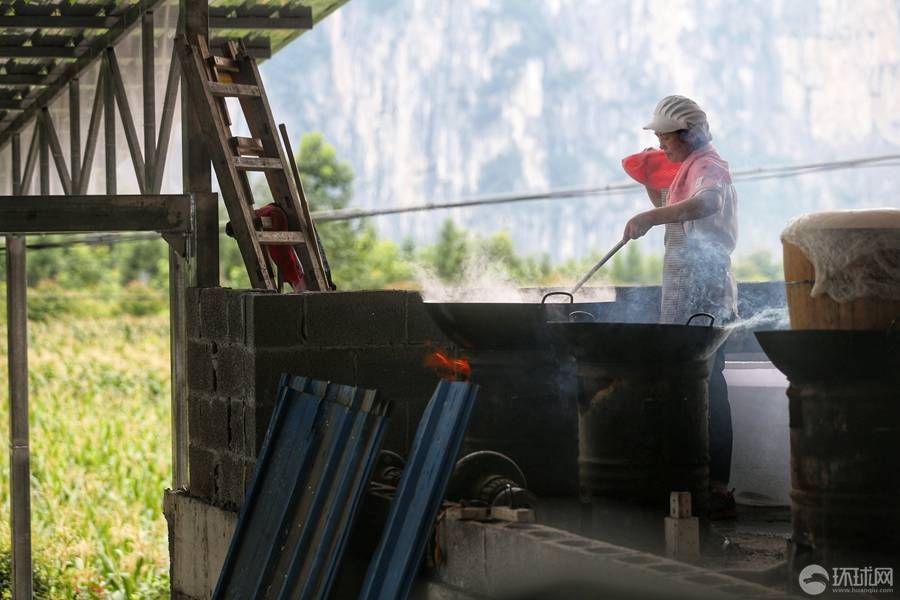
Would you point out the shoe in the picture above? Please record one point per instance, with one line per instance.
(722, 506)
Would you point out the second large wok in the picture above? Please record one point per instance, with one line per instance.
(507, 325)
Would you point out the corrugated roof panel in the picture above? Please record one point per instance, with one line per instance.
(315, 463)
(420, 493)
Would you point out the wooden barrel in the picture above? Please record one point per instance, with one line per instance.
(822, 312)
(858, 252)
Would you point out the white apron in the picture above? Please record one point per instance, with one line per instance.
(696, 278)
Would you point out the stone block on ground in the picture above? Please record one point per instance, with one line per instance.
(682, 538)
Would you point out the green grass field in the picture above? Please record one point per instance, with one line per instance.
(100, 456)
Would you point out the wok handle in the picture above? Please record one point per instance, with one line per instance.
(599, 264)
(711, 318)
(581, 316)
(548, 294)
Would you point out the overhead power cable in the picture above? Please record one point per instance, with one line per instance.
(756, 174)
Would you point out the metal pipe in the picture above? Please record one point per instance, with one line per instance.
(178, 275)
(109, 129)
(193, 20)
(19, 452)
(44, 155)
(149, 87)
(75, 134)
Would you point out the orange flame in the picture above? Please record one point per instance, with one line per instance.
(454, 369)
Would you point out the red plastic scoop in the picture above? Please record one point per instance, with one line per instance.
(651, 168)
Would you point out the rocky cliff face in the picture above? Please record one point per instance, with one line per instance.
(438, 100)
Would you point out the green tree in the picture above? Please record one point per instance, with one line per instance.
(448, 256)
(758, 266)
(500, 250)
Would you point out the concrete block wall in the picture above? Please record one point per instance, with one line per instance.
(241, 341)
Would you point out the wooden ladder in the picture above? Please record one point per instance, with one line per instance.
(210, 80)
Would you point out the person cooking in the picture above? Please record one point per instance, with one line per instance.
(699, 211)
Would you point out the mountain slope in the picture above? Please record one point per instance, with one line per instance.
(436, 101)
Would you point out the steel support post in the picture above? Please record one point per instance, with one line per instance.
(109, 128)
(43, 155)
(19, 452)
(200, 266)
(148, 67)
(75, 134)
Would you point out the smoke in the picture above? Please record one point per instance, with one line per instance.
(482, 280)
(769, 318)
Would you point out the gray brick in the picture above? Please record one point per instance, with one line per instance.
(274, 320)
(366, 318)
(214, 312)
(230, 485)
(192, 308)
(338, 365)
(200, 366)
(208, 422)
(420, 328)
(202, 467)
(236, 319)
(399, 375)
(237, 427)
(233, 371)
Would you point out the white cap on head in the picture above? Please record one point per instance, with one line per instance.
(677, 112)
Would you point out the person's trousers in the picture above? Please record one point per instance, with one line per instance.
(720, 431)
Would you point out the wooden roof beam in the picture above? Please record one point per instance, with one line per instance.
(82, 214)
(89, 50)
(261, 23)
(23, 79)
(69, 52)
(259, 48)
(57, 22)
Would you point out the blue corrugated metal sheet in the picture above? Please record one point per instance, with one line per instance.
(420, 493)
(315, 462)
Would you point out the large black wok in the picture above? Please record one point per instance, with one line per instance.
(643, 343)
(508, 325)
(827, 355)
